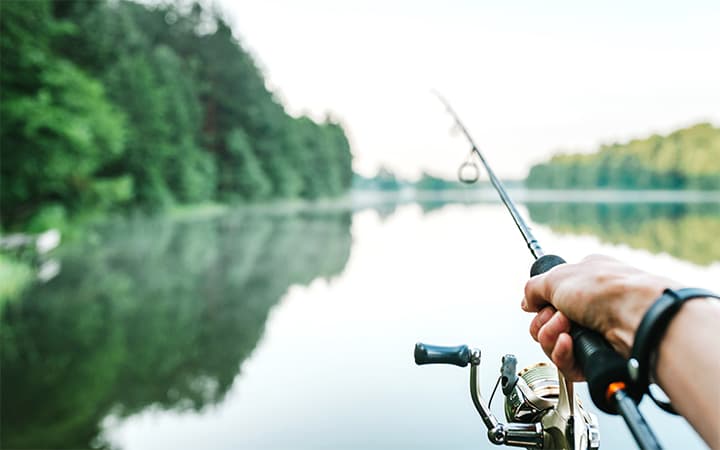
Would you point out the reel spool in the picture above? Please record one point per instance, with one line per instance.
(536, 390)
(541, 409)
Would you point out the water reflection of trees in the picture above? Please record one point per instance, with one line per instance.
(686, 231)
(151, 313)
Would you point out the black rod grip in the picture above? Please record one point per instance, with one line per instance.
(545, 263)
(435, 354)
(600, 363)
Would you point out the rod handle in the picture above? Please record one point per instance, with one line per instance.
(599, 362)
(545, 263)
(435, 354)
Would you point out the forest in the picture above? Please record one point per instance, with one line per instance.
(117, 106)
(688, 158)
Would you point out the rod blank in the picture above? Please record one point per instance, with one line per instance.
(527, 235)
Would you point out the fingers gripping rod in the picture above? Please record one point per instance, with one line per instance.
(604, 369)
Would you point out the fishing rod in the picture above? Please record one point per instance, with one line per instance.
(540, 404)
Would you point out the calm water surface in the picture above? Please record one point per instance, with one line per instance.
(271, 330)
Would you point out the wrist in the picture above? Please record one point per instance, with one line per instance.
(690, 316)
(688, 363)
(636, 296)
(651, 333)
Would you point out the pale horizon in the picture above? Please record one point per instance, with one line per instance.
(528, 80)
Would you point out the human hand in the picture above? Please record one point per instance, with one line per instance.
(599, 293)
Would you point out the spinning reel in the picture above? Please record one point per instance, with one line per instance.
(540, 407)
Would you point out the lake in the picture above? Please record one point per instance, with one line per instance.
(269, 328)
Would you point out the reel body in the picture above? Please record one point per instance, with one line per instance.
(538, 392)
(540, 407)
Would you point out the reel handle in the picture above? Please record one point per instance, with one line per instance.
(435, 354)
(600, 363)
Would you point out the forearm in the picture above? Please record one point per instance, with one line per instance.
(688, 363)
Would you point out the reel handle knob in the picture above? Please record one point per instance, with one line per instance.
(600, 363)
(435, 354)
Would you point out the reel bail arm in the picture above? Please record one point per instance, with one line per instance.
(538, 415)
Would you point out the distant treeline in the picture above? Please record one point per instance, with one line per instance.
(115, 104)
(386, 180)
(686, 159)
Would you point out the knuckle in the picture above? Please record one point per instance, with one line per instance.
(545, 336)
(594, 257)
(563, 322)
(530, 287)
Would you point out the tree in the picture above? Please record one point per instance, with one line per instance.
(245, 178)
(58, 128)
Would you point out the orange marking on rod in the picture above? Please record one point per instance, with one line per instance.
(613, 388)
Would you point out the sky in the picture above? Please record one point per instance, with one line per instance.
(528, 78)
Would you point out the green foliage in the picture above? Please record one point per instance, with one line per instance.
(117, 104)
(320, 149)
(15, 275)
(102, 337)
(57, 128)
(384, 180)
(686, 159)
(249, 180)
(49, 215)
